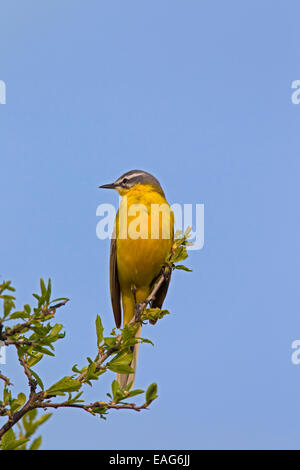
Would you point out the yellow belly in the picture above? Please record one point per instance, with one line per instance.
(140, 260)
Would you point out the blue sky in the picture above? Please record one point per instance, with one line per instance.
(199, 94)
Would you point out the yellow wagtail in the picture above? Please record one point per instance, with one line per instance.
(143, 235)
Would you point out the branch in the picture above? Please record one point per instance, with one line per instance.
(36, 401)
(12, 420)
(104, 355)
(31, 350)
(95, 405)
(31, 382)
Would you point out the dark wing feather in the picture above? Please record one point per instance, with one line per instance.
(161, 294)
(114, 282)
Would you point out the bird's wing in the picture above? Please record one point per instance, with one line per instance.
(114, 281)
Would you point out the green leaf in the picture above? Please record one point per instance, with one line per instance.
(34, 359)
(128, 333)
(183, 268)
(187, 232)
(76, 398)
(99, 330)
(115, 387)
(146, 340)
(43, 288)
(154, 314)
(6, 395)
(60, 299)
(121, 362)
(30, 423)
(36, 443)
(118, 393)
(17, 403)
(120, 368)
(27, 309)
(32, 414)
(8, 439)
(91, 373)
(180, 254)
(101, 410)
(38, 379)
(21, 398)
(178, 234)
(8, 305)
(18, 315)
(55, 331)
(109, 342)
(6, 286)
(42, 419)
(151, 393)
(40, 302)
(133, 393)
(67, 384)
(42, 350)
(48, 291)
(14, 445)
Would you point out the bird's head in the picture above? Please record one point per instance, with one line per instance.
(132, 178)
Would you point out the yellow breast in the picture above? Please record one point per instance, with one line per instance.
(144, 228)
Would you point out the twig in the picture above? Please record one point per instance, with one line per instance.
(6, 379)
(100, 359)
(90, 407)
(60, 304)
(140, 307)
(26, 325)
(20, 342)
(31, 382)
(16, 329)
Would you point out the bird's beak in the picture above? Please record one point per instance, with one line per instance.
(108, 186)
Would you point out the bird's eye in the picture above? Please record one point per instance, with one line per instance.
(124, 181)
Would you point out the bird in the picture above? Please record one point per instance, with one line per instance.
(138, 250)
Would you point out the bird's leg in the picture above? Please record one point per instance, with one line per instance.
(133, 290)
(137, 307)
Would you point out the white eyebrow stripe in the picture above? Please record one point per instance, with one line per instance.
(135, 174)
(129, 177)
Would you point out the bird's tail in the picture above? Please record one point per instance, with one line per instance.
(125, 379)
